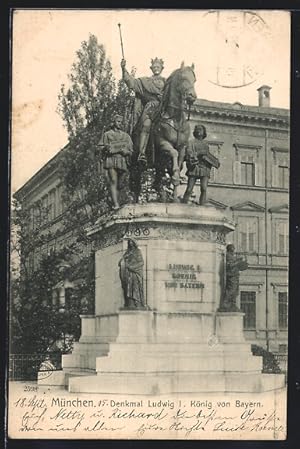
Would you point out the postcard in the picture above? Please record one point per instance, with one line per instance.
(150, 224)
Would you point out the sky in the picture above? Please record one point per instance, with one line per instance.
(45, 42)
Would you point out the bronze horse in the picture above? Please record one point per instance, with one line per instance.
(171, 128)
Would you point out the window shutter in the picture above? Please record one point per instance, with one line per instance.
(286, 235)
(253, 235)
(237, 172)
(242, 234)
(57, 211)
(258, 180)
(275, 177)
(277, 232)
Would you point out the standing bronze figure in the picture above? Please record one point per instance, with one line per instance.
(199, 162)
(131, 274)
(234, 265)
(118, 150)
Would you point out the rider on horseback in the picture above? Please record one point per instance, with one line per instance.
(148, 92)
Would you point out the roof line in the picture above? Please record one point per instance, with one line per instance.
(22, 190)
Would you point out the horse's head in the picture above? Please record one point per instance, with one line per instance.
(181, 85)
(186, 81)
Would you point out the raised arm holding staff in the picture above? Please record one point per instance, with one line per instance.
(121, 40)
(148, 93)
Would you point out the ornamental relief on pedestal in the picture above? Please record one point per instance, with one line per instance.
(178, 232)
(110, 237)
(155, 231)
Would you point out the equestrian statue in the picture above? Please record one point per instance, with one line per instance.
(161, 128)
(160, 131)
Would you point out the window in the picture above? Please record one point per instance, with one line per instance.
(32, 223)
(280, 168)
(248, 165)
(251, 240)
(248, 307)
(214, 148)
(283, 177)
(51, 205)
(247, 234)
(283, 243)
(37, 216)
(243, 245)
(282, 237)
(59, 201)
(282, 310)
(247, 173)
(45, 209)
(247, 242)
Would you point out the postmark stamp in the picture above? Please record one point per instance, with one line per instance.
(235, 61)
(46, 369)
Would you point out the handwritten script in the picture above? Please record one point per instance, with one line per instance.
(74, 417)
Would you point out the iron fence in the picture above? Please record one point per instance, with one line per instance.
(282, 360)
(26, 366)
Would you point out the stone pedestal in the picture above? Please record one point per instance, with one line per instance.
(180, 344)
(230, 327)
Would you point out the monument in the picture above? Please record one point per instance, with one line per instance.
(165, 316)
(174, 338)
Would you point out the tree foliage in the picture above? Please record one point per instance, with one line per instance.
(36, 323)
(87, 100)
(87, 107)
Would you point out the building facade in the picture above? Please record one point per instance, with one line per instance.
(251, 187)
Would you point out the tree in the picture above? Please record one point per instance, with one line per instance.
(36, 323)
(92, 88)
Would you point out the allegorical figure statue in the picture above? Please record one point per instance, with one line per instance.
(118, 149)
(131, 274)
(199, 162)
(234, 265)
(148, 93)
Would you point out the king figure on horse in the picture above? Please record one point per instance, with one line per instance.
(160, 107)
(148, 94)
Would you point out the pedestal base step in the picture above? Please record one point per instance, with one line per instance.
(160, 383)
(60, 378)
